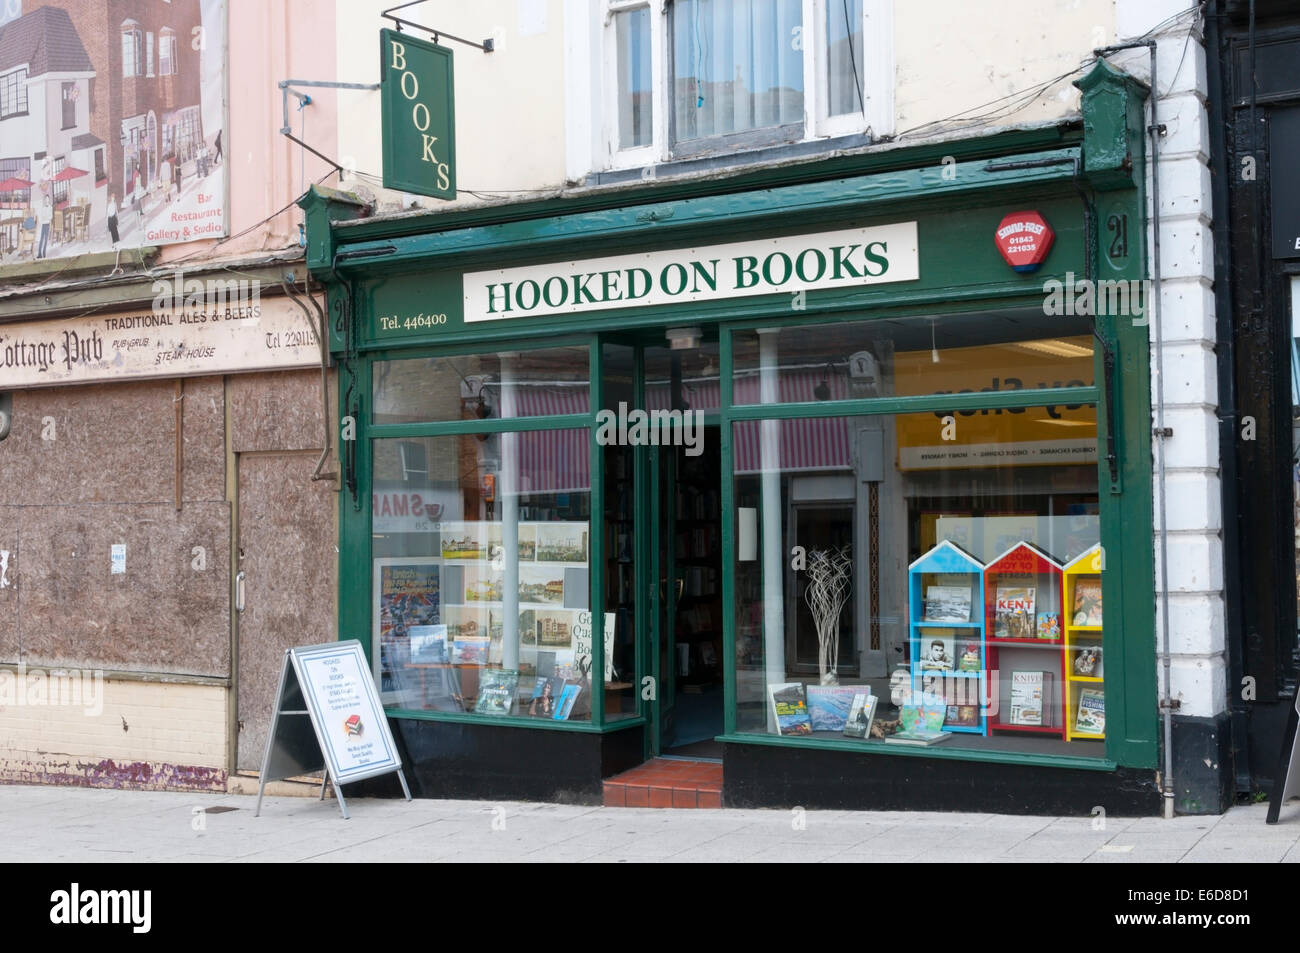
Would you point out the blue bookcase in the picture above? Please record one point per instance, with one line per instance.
(942, 649)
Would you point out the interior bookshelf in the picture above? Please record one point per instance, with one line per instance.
(1082, 655)
(1023, 640)
(946, 635)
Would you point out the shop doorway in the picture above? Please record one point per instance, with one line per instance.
(686, 511)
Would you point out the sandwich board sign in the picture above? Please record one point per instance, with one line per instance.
(1286, 784)
(328, 716)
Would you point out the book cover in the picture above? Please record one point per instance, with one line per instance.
(1087, 602)
(962, 716)
(470, 651)
(968, 656)
(862, 712)
(936, 650)
(921, 718)
(828, 705)
(1087, 662)
(1091, 717)
(918, 737)
(564, 705)
(1049, 625)
(546, 692)
(947, 604)
(1029, 698)
(790, 707)
(496, 691)
(1013, 613)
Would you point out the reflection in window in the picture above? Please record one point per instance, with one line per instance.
(482, 550)
(635, 90)
(914, 510)
(483, 386)
(844, 66)
(737, 67)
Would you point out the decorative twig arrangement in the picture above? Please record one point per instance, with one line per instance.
(830, 580)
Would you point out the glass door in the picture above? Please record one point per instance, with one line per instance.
(664, 593)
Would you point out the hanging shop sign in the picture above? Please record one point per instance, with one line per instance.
(842, 259)
(171, 339)
(418, 113)
(1024, 239)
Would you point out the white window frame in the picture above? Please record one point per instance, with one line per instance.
(877, 114)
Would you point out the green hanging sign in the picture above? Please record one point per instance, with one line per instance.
(419, 115)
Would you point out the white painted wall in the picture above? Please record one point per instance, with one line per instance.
(1190, 385)
(530, 115)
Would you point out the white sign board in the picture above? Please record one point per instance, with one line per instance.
(248, 334)
(848, 258)
(329, 686)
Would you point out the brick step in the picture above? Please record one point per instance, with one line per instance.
(661, 782)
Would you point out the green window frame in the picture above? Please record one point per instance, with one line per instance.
(1118, 750)
(355, 558)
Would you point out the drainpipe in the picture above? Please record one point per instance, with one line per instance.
(1161, 433)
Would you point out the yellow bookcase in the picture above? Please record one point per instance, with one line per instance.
(1082, 626)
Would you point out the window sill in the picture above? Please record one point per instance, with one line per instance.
(514, 721)
(764, 155)
(877, 748)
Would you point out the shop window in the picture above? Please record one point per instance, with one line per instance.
(943, 565)
(13, 93)
(481, 574)
(541, 383)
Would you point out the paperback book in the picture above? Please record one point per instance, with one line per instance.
(920, 725)
(1013, 613)
(1091, 717)
(947, 604)
(1087, 602)
(564, 705)
(496, 691)
(790, 708)
(862, 712)
(1049, 625)
(1029, 692)
(828, 705)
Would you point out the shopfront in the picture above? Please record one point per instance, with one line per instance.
(697, 469)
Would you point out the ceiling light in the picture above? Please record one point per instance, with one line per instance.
(1056, 348)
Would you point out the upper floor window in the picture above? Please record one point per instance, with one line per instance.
(691, 77)
(166, 52)
(13, 93)
(132, 49)
(148, 53)
(69, 102)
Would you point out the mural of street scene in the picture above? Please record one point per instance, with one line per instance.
(111, 125)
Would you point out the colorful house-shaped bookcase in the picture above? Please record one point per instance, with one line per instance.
(955, 673)
(1033, 647)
